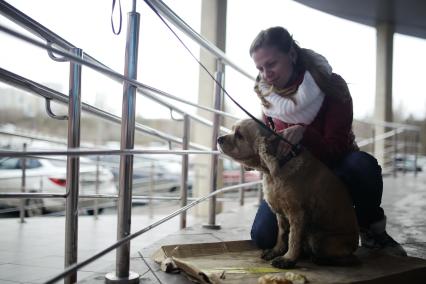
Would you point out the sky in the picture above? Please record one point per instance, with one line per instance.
(165, 64)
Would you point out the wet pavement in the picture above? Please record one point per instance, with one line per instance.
(33, 252)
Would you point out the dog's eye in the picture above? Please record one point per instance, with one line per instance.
(238, 135)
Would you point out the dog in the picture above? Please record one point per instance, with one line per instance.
(313, 207)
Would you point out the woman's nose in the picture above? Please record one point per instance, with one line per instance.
(267, 75)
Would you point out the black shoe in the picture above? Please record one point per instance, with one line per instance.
(381, 241)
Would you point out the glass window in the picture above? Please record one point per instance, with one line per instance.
(9, 164)
(32, 163)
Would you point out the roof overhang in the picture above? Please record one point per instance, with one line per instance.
(407, 16)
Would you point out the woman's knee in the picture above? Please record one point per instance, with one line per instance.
(264, 229)
(360, 161)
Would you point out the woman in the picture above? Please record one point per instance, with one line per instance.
(302, 99)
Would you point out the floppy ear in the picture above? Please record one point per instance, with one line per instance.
(271, 144)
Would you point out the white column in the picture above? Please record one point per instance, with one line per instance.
(213, 28)
(383, 102)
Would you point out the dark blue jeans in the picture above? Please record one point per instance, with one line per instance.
(362, 175)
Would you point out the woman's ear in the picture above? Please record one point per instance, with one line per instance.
(293, 55)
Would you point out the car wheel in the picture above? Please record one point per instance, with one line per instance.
(91, 212)
(34, 207)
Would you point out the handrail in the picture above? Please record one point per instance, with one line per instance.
(171, 16)
(36, 28)
(34, 87)
(390, 124)
(74, 267)
(94, 152)
(379, 137)
(143, 88)
(13, 195)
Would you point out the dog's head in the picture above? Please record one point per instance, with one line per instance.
(243, 143)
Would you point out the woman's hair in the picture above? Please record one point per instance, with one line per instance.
(280, 38)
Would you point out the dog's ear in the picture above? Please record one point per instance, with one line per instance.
(272, 143)
(248, 168)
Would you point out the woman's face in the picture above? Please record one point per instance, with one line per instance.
(275, 67)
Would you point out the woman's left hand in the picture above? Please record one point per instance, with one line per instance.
(293, 134)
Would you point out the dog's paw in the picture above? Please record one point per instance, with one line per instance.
(269, 254)
(282, 262)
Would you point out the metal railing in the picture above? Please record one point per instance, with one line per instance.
(396, 145)
(128, 127)
(57, 45)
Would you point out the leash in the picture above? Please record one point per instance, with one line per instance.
(295, 148)
(120, 20)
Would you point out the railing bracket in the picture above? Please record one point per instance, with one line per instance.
(50, 112)
(53, 56)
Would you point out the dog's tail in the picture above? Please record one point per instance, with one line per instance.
(348, 260)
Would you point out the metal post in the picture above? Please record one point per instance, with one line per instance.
(404, 169)
(23, 185)
(242, 180)
(260, 192)
(214, 160)
(122, 273)
(151, 189)
(73, 168)
(95, 205)
(184, 179)
(416, 151)
(395, 151)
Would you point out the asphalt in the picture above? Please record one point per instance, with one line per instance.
(33, 252)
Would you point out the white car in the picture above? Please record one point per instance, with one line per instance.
(48, 175)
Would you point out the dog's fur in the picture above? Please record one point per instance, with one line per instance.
(313, 208)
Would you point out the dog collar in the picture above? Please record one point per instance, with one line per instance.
(295, 150)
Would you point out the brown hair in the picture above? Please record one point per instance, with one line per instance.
(280, 38)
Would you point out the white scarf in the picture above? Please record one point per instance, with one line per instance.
(302, 107)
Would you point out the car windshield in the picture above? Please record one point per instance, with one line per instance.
(9, 163)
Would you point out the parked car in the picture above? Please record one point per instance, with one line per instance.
(407, 164)
(49, 176)
(232, 173)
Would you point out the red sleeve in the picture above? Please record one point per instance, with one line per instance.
(329, 137)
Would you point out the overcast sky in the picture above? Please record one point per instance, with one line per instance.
(164, 64)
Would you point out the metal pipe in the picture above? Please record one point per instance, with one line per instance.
(107, 71)
(122, 273)
(404, 149)
(73, 168)
(168, 13)
(395, 152)
(36, 88)
(151, 188)
(416, 151)
(104, 196)
(95, 205)
(140, 232)
(13, 195)
(184, 178)
(85, 152)
(242, 180)
(23, 185)
(260, 193)
(214, 159)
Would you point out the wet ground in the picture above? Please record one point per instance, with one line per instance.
(33, 252)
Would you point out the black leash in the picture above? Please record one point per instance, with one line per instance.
(120, 20)
(295, 148)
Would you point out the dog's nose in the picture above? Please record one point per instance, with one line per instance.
(220, 140)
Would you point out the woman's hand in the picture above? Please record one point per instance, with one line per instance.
(293, 134)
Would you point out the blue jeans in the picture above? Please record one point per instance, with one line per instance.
(363, 177)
